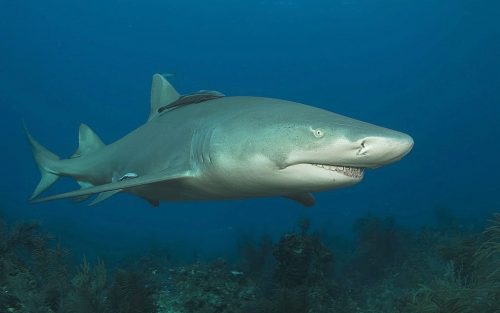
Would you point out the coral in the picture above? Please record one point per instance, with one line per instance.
(379, 247)
(303, 280)
(132, 292)
(446, 221)
(255, 257)
(301, 259)
(433, 270)
(304, 225)
(33, 274)
(207, 288)
(88, 292)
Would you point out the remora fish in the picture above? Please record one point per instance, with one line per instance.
(207, 146)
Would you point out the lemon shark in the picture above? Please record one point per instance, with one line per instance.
(205, 145)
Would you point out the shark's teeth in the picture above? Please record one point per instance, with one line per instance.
(354, 172)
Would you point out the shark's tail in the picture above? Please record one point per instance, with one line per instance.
(51, 167)
(45, 161)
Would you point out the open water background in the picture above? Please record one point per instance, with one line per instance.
(428, 68)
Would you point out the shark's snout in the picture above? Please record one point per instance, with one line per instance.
(377, 151)
(404, 145)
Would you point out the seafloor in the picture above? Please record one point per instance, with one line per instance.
(445, 268)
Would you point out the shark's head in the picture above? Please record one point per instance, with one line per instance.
(282, 146)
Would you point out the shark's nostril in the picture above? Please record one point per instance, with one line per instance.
(362, 150)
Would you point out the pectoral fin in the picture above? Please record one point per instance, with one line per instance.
(162, 176)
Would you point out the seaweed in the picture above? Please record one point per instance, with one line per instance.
(489, 251)
(461, 252)
(465, 282)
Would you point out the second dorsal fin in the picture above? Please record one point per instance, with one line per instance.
(162, 93)
(88, 141)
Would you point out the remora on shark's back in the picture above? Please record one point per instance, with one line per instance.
(205, 145)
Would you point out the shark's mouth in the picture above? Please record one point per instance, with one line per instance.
(350, 171)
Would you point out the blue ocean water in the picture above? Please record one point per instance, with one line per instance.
(428, 68)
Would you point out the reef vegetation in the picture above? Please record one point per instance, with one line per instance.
(443, 268)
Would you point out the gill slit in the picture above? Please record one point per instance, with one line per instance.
(200, 156)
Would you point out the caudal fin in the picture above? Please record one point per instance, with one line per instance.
(43, 158)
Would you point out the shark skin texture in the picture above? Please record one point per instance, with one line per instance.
(205, 145)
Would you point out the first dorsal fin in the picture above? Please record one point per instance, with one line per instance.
(162, 93)
(88, 141)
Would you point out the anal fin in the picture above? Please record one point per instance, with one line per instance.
(306, 199)
(154, 203)
(104, 195)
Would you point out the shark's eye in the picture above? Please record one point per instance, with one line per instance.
(318, 133)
